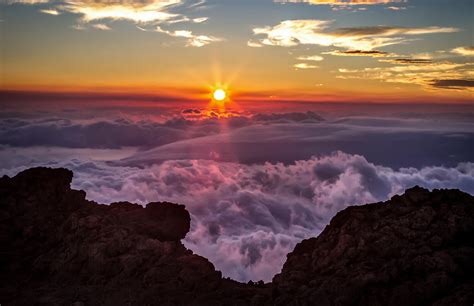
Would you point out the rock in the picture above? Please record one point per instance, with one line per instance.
(60, 249)
(411, 250)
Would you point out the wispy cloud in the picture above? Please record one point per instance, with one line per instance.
(466, 51)
(140, 12)
(342, 2)
(101, 26)
(372, 53)
(314, 58)
(50, 12)
(290, 33)
(426, 73)
(305, 66)
(408, 61)
(396, 8)
(453, 84)
(354, 5)
(254, 44)
(145, 12)
(192, 40)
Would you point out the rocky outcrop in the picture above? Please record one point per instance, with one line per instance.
(60, 249)
(416, 249)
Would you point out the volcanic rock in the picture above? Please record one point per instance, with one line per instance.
(60, 249)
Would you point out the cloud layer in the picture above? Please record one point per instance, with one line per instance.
(246, 218)
(255, 185)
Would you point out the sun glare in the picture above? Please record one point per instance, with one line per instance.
(219, 94)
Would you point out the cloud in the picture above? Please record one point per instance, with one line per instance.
(305, 66)
(101, 26)
(138, 12)
(275, 140)
(315, 58)
(146, 12)
(254, 44)
(200, 20)
(453, 84)
(247, 218)
(27, 1)
(290, 33)
(409, 61)
(342, 2)
(255, 185)
(396, 8)
(465, 51)
(193, 40)
(423, 72)
(372, 53)
(50, 12)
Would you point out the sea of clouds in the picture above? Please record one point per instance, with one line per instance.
(254, 185)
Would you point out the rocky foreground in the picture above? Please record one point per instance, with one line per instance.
(60, 249)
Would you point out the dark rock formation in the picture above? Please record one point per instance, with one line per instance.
(416, 249)
(60, 249)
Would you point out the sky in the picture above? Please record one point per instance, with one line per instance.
(330, 103)
(416, 50)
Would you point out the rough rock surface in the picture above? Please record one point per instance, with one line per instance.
(416, 249)
(60, 249)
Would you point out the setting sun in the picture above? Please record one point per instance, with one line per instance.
(219, 94)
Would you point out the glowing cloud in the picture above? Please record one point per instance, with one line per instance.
(290, 33)
(315, 58)
(50, 12)
(141, 12)
(305, 66)
(102, 27)
(193, 40)
(154, 12)
(465, 51)
(426, 73)
(342, 2)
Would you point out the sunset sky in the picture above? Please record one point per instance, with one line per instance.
(394, 50)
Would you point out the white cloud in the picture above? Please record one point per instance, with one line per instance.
(315, 58)
(146, 12)
(465, 51)
(305, 66)
(192, 40)
(200, 20)
(141, 12)
(396, 8)
(342, 2)
(290, 33)
(246, 218)
(101, 26)
(50, 12)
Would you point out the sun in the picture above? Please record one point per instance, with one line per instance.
(219, 94)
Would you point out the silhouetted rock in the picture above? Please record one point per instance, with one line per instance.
(60, 249)
(416, 249)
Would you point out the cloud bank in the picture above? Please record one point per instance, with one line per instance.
(255, 185)
(246, 218)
